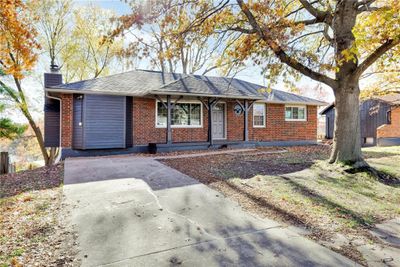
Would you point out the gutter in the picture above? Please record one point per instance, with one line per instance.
(60, 147)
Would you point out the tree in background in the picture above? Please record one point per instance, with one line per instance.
(75, 38)
(331, 42)
(9, 129)
(91, 53)
(157, 33)
(18, 55)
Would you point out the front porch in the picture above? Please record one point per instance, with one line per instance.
(217, 122)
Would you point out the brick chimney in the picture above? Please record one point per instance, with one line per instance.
(54, 77)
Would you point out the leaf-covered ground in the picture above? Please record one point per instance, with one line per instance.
(33, 229)
(300, 188)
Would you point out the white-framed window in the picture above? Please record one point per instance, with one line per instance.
(295, 113)
(259, 115)
(183, 115)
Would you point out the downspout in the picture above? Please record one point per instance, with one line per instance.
(60, 147)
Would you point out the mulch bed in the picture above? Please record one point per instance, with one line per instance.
(37, 179)
(246, 165)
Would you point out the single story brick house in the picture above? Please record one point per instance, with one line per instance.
(141, 110)
(379, 120)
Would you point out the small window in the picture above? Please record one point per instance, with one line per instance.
(295, 113)
(259, 115)
(182, 115)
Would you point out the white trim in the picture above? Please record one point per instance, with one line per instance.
(180, 126)
(264, 116)
(296, 106)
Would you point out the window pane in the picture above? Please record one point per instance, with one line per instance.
(301, 113)
(195, 115)
(180, 114)
(161, 114)
(259, 114)
(288, 113)
(295, 114)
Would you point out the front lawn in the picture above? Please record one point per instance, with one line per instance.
(300, 188)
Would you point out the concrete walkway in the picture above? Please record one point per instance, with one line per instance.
(138, 212)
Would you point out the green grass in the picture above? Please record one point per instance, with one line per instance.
(326, 197)
(384, 159)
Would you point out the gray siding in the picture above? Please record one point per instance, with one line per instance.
(52, 129)
(77, 135)
(52, 123)
(104, 121)
(329, 123)
(373, 113)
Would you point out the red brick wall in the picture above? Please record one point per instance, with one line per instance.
(235, 123)
(277, 129)
(66, 120)
(393, 129)
(144, 121)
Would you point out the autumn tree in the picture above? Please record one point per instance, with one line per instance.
(18, 54)
(54, 26)
(91, 53)
(75, 39)
(156, 30)
(331, 42)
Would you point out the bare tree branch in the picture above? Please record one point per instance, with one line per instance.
(389, 44)
(281, 54)
(313, 11)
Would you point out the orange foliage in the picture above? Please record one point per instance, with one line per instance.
(17, 38)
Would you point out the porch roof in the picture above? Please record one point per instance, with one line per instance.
(145, 83)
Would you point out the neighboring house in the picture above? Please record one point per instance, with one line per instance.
(142, 110)
(379, 120)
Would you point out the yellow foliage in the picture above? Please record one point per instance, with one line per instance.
(17, 38)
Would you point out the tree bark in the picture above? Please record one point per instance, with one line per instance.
(347, 136)
(347, 143)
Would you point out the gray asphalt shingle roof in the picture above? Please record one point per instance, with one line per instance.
(143, 82)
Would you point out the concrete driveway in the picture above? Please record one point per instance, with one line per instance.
(132, 211)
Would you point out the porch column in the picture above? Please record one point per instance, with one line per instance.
(246, 121)
(210, 108)
(169, 120)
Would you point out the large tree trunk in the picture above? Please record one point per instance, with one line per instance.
(347, 143)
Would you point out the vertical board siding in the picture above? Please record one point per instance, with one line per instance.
(372, 115)
(129, 122)
(104, 121)
(51, 123)
(77, 135)
(330, 123)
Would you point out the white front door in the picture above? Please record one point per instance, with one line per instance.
(218, 121)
